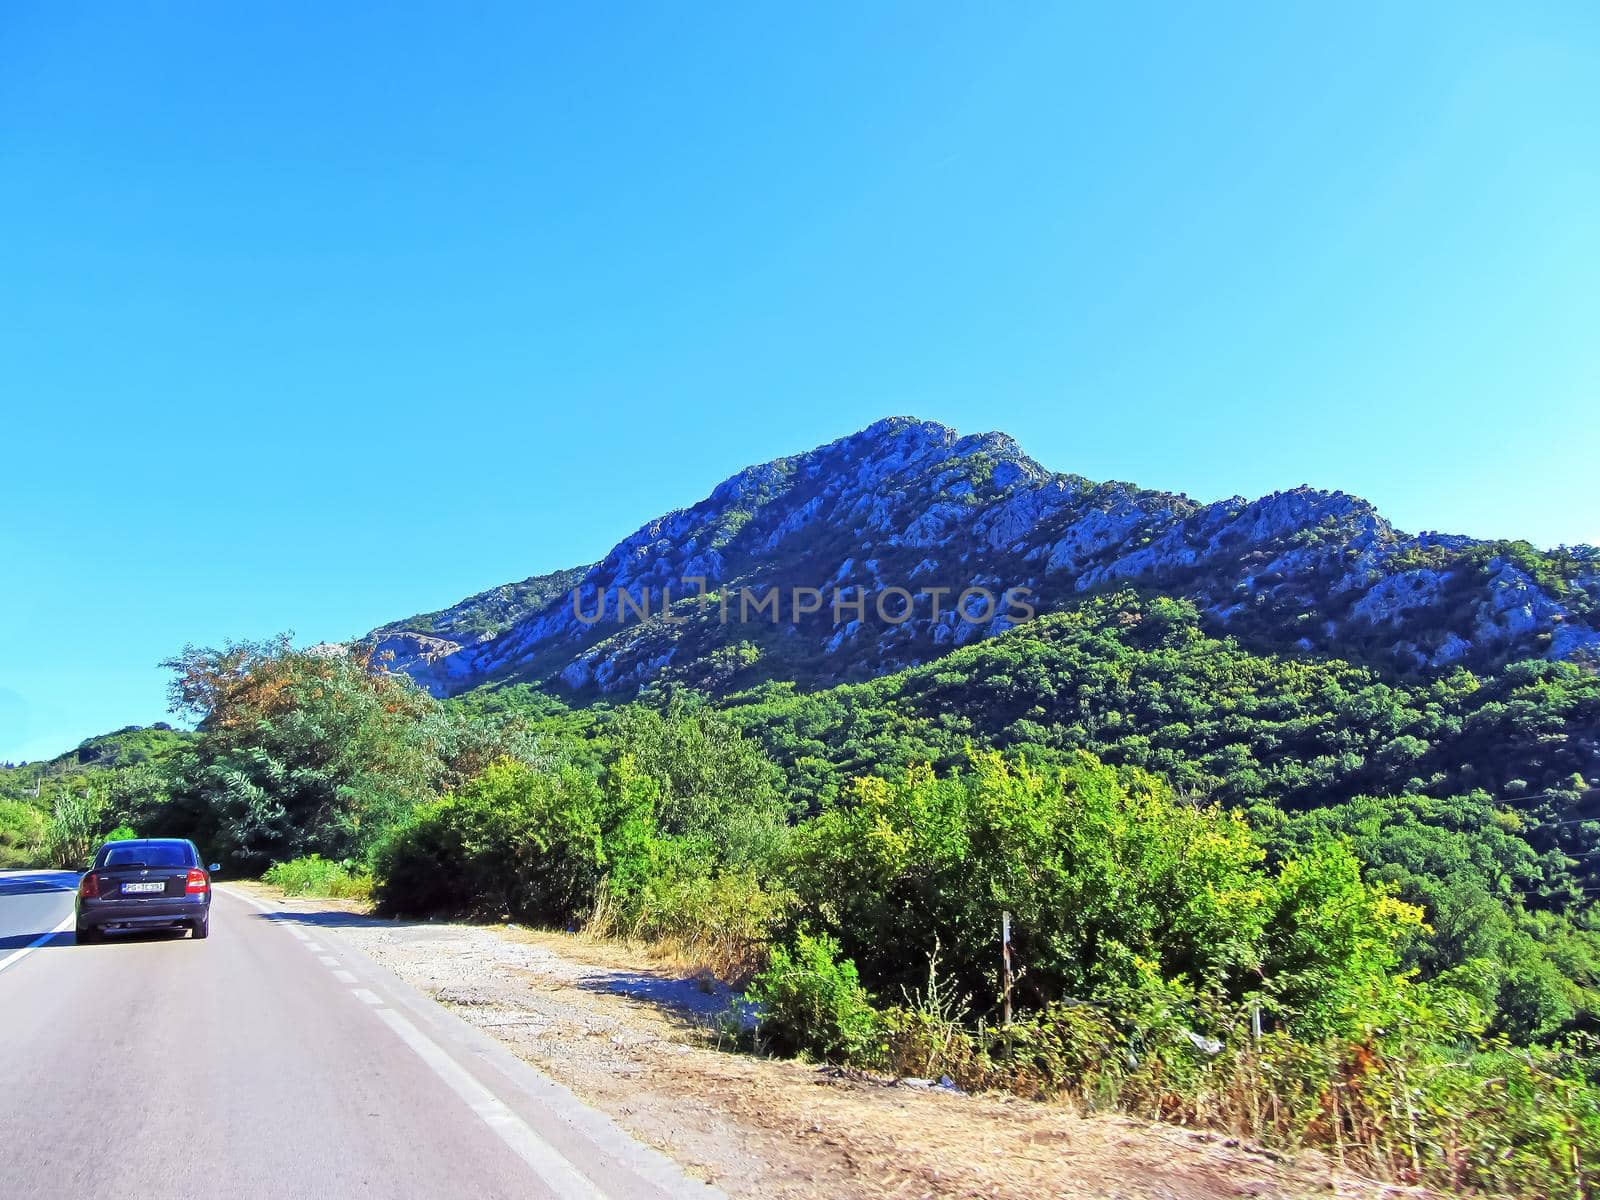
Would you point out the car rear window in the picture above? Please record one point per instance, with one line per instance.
(151, 854)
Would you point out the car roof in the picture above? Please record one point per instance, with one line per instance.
(151, 842)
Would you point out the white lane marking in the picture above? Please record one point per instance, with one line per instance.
(250, 900)
(17, 956)
(344, 977)
(328, 960)
(366, 995)
(314, 948)
(300, 933)
(560, 1176)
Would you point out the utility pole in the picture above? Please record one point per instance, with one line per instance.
(1005, 965)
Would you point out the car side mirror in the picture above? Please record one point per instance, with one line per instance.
(214, 868)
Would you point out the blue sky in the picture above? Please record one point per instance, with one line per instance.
(315, 316)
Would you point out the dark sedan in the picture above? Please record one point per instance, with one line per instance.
(142, 884)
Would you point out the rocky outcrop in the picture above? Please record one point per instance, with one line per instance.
(904, 517)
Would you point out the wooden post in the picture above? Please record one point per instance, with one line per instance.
(1005, 964)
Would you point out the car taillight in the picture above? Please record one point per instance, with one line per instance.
(197, 881)
(89, 886)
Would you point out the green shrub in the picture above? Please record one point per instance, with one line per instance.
(1063, 1048)
(721, 918)
(22, 831)
(1102, 871)
(317, 876)
(710, 781)
(811, 1002)
(72, 832)
(516, 841)
(301, 753)
(420, 867)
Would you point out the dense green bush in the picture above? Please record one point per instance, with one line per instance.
(317, 876)
(515, 842)
(711, 782)
(720, 917)
(810, 1001)
(22, 829)
(303, 753)
(669, 840)
(1117, 892)
(73, 831)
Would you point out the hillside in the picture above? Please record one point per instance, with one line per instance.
(1478, 799)
(1138, 683)
(417, 642)
(82, 780)
(128, 747)
(908, 504)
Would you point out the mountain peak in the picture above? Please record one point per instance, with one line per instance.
(914, 510)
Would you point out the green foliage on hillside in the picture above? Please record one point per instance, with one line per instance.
(1151, 934)
(1488, 813)
(1138, 683)
(660, 825)
(51, 812)
(131, 747)
(302, 753)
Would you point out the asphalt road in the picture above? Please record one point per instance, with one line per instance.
(272, 1059)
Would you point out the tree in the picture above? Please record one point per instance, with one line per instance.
(73, 831)
(302, 753)
(713, 783)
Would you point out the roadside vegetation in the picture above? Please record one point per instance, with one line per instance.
(1282, 899)
(316, 876)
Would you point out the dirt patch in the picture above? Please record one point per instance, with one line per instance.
(639, 1041)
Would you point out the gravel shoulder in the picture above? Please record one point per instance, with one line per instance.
(639, 1040)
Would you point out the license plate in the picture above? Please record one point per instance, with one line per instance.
(132, 889)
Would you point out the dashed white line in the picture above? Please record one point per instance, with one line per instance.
(328, 960)
(366, 995)
(344, 977)
(314, 948)
(17, 956)
(559, 1175)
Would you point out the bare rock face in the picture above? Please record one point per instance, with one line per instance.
(903, 520)
(1400, 594)
(413, 653)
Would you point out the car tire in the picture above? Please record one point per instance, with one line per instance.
(87, 936)
(201, 928)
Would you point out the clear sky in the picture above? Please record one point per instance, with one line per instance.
(313, 316)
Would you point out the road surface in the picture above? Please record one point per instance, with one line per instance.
(272, 1059)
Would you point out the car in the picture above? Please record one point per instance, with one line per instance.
(145, 883)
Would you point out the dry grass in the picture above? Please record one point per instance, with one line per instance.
(802, 1132)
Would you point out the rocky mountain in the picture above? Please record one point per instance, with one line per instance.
(417, 641)
(889, 547)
